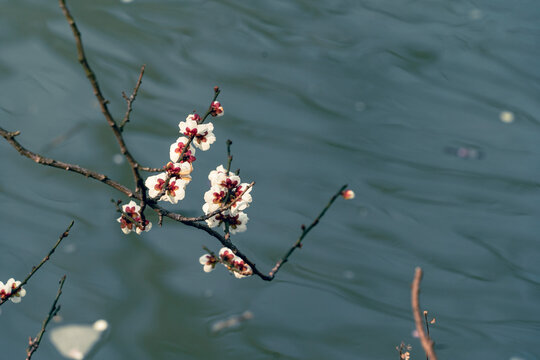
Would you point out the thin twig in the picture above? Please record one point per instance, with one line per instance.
(305, 231)
(150, 169)
(36, 268)
(131, 99)
(229, 156)
(139, 183)
(10, 137)
(33, 344)
(425, 340)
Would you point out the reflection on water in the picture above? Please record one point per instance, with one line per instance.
(428, 109)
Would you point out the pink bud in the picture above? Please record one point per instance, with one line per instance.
(348, 194)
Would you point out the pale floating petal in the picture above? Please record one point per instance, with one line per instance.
(78, 341)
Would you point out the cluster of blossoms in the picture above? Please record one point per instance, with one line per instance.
(7, 289)
(227, 190)
(131, 219)
(170, 185)
(232, 262)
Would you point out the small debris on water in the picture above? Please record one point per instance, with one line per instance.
(118, 159)
(464, 152)
(231, 322)
(506, 117)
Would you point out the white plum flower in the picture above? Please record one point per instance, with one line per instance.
(205, 136)
(202, 134)
(240, 268)
(234, 263)
(237, 223)
(176, 149)
(174, 188)
(189, 127)
(131, 212)
(208, 261)
(7, 289)
(222, 196)
(226, 254)
(217, 109)
(179, 170)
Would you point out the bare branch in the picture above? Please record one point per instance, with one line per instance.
(305, 231)
(36, 268)
(139, 184)
(131, 99)
(425, 340)
(33, 344)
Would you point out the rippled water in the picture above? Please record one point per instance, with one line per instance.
(400, 99)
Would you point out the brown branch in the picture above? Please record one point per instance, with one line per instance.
(33, 344)
(190, 221)
(36, 268)
(150, 169)
(131, 99)
(425, 340)
(305, 231)
(10, 137)
(139, 184)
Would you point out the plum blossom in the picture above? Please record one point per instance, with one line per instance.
(174, 187)
(224, 191)
(222, 196)
(134, 212)
(7, 289)
(179, 170)
(203, 135)
(234, 263)
(190, 126)
(237, 223)
(176, 149)
(217, 109)
(208, 261)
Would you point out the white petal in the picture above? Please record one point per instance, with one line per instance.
(204, 259)
(173, 155)
(151, 182)
(208, 268)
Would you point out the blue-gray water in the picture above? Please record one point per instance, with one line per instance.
(400, 99)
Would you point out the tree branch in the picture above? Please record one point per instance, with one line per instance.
(305, 231)
(425, 340)
(33, 344)
(36, 268)
(131, 99)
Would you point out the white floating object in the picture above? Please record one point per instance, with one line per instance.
(118, 159)
(232, 321)
(77, 341)
(506, 116)
(475, 14)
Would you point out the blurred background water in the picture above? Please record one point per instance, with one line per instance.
(403, 100)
